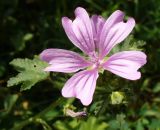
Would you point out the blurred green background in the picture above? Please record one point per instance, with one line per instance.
(27, 27)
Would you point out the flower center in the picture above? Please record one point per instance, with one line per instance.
(96, 62)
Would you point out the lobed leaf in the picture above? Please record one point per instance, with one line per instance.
(30, 73)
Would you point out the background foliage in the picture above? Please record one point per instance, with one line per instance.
(29, 26)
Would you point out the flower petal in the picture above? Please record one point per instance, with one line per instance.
(114, 31)
(97, 25)
(126, 64)
(63, 61)
(82, 86)
(87, 31)
(67, 25)
(80, 31)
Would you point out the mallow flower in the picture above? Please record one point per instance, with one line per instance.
(94, 36)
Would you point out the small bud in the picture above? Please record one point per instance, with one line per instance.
(117, 97)
(25, 105)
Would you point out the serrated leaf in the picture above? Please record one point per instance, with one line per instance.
(31, 72)
(21, 77)
(28, 64)
(27, 85)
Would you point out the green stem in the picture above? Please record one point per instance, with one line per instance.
(103, 107)
(50, 107)
(38, 116)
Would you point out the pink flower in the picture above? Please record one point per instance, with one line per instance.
(95, 36)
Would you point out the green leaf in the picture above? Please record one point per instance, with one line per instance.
(119, 123)
(139, 125)
(31, 72)
(9, 103)
(155, 124)
(28, 37)
(156, 89)
(93, 124)
(27, 85)
(148, 111)
(62, 125)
